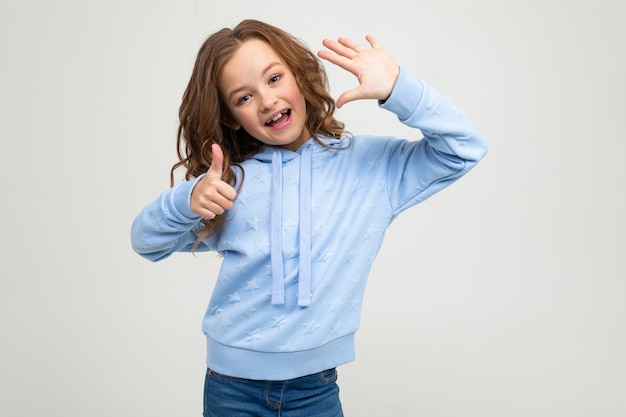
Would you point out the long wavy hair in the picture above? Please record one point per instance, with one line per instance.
(202, 108)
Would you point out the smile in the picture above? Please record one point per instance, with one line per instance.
(276, 118)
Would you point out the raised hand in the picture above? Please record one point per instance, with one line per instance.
(211, 196)
(374, 68)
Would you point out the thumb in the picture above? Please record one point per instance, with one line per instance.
(217, 163)
(347, 97)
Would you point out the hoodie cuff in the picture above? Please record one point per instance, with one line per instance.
(405, 96)
(181, 198)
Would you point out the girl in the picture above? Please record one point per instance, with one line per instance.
(297, 208)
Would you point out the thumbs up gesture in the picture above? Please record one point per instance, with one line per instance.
(211, 196)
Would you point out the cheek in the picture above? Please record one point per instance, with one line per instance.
(302, 104)
(249, 121)
(297, 99)
(249, 118)
(302, 100)
(237, 114)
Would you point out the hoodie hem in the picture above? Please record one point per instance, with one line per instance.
(278, 366)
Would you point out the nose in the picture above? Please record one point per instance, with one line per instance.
(268, 101)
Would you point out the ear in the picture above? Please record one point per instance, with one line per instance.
(228, 121)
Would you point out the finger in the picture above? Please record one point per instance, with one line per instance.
(217, 163)
(228, 191)
(335, 59)
(216, 208)
(205, 214)
(339, 48)
(216, 200)
(372, 41)
(350, 44)
(203, 207)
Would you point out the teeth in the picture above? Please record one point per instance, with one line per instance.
(278, 116)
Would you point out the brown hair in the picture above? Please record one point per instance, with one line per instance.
(202, 107)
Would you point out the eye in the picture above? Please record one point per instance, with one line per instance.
(274, 78)
(244, 98)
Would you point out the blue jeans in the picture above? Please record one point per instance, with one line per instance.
(314, 395)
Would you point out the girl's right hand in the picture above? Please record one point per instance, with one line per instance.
(211, 196)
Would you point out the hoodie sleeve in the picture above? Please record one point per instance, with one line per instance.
(450, 148)
(167, 224)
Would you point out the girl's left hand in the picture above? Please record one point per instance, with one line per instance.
(375, 69)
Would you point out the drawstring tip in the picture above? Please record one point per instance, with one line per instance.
(304, 302)
(278, 299)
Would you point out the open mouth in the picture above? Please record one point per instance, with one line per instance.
(278, 119)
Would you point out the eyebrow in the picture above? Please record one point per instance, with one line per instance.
(266, 69)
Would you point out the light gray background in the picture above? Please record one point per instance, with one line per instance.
(501, 296)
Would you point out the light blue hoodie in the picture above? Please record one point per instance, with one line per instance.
(305, 227)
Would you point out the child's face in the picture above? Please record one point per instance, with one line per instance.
(263, 97)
